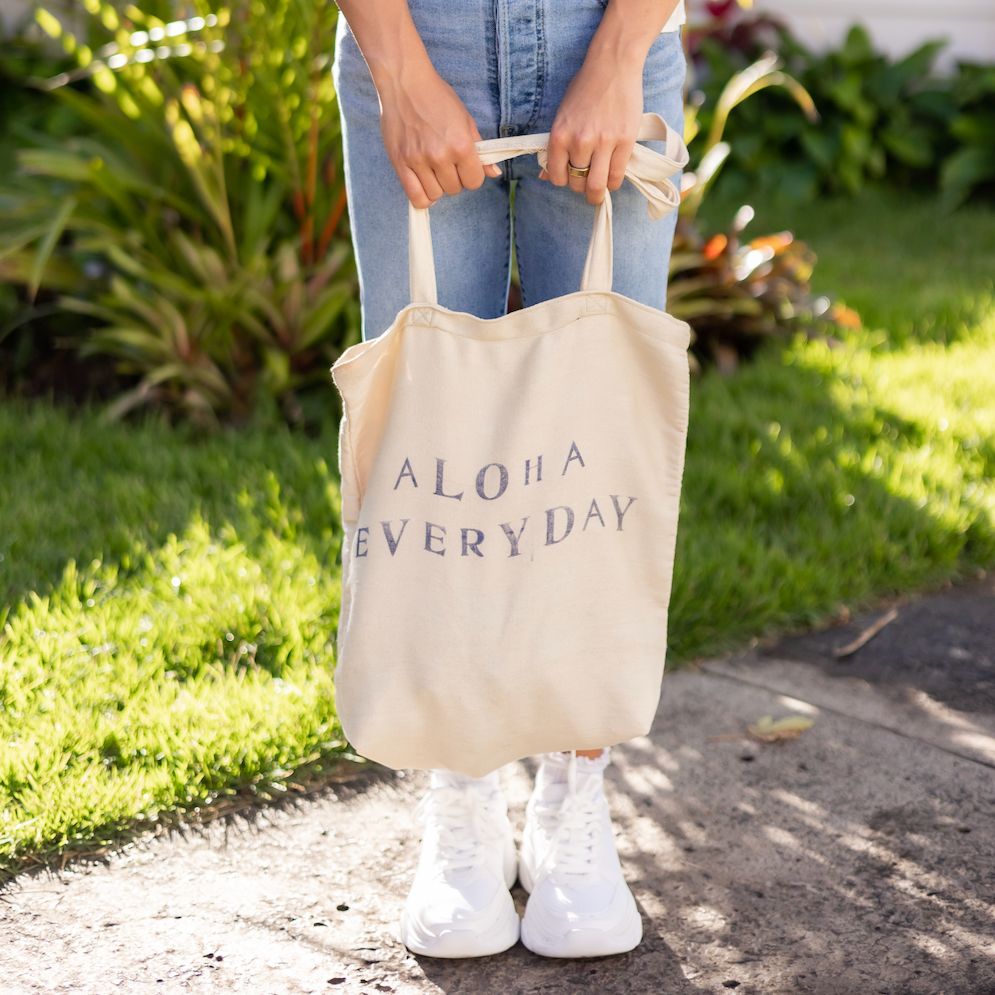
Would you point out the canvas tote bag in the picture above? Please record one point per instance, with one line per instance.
(510, 493)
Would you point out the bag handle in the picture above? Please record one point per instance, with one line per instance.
(649, 172)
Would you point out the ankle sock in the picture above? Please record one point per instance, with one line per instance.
(553, 768)
(450, 779)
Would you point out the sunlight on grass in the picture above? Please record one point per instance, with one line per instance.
(949, 394)
(821, 476)
(189, 656)
(206, 671)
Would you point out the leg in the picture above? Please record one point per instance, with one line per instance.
(553, 224)
(579, 904)
(459, 904)
(471, 232)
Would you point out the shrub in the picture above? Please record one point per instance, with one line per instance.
(734, 294)
(879, 118)
(207, 196)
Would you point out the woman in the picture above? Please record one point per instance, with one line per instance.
(418, 83)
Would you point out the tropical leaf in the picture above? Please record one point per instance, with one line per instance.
(47, 243)
(211, 188)
(963, 170)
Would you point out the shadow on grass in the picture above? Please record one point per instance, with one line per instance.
(73, 487)
(803, 492)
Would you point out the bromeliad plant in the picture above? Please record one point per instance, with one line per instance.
(209, 192)
(733, 294)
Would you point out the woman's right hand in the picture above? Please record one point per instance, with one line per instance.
(427, 131)
(429, 136)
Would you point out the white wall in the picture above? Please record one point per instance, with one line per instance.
(13, 13)
(897, 26)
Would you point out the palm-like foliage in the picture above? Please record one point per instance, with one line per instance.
(210, 190)
(733, 293)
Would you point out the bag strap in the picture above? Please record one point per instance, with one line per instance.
(648, 171)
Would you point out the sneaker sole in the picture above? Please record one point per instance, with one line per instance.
(459, 943)
(586, 942)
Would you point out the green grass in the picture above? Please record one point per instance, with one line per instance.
(178, 647)
(187, 657)
(823, 476)
(901, 420)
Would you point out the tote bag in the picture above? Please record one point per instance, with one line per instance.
(510, 492)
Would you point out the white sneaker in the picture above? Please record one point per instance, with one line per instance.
(459, 904)
(579, 904)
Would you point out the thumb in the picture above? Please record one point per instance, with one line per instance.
(493, 170)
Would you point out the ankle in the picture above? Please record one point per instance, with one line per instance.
(554, 767)
(450, 779)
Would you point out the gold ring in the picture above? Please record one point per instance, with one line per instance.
(577, 171)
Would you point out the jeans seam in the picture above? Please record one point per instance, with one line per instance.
(518, 256)
(501, 41)
(540, 31)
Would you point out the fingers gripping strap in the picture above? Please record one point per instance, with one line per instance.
(647, 170)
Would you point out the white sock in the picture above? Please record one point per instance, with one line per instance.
(450, 779)
(553, 768)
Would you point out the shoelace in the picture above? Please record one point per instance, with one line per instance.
(575, 845)
(465, 822)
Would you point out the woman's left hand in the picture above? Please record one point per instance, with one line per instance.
(596, 125)
(598, 119)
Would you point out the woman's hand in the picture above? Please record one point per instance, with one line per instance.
(598, 119)
(427, 131)
(429, 136)
(596, 125)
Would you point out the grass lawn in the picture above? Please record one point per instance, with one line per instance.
(178, 646)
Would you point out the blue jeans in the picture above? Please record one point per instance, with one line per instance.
(510, 62)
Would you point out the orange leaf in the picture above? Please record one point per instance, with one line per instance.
(714, 247)
(844, 316)
(778, 242)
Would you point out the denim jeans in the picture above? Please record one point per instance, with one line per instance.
(510, 62)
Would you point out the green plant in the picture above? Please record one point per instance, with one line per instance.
(973, 126)
(880, 113)
(763, 73)
(879, 117)
(210, 190)
(733, 294)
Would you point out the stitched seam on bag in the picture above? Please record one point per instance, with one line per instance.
(608, 298)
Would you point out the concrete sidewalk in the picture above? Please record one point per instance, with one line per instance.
(857, 859)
